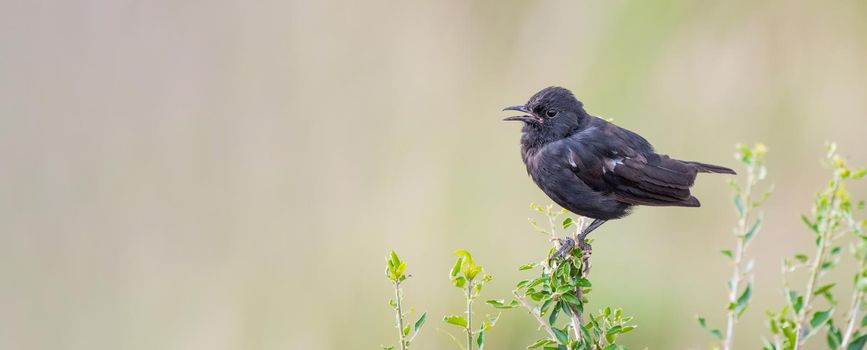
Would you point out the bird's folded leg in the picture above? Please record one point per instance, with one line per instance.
(567, 244)
(582, 242)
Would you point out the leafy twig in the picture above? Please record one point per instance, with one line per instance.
(468, 276)
(542, 323)
(395, 271)
(753, 159)
(562, 288)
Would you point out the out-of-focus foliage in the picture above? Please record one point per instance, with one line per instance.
(746, 200)
(395, 271)
(470, 278)
(833, 227)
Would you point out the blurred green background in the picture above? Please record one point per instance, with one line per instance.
(231, 175)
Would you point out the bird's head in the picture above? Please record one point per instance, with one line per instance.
(554, 111)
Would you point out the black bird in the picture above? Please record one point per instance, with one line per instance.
(594, 168)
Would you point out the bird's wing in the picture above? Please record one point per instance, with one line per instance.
(614, 160)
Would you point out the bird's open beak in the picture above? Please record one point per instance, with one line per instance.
(529, 118)
(520, 108)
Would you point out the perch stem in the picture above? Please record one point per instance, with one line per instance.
(399, 315)
(737, 274)
(470, 315)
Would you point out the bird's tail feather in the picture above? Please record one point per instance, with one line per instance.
(710, 168)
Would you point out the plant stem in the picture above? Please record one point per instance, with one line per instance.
(808, 295)
(737, 275)
(577, 315)
(551, 217)
(857, 297)
(539, 318)
(824, 240)
(399, 315)
(470, 315)
(577, 321)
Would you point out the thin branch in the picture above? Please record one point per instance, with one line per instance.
(577, 315)
(824, 240)
(539, 318)
(399, 315)
(461, 346)
(737, 274)
(857, 298)
(470, 314)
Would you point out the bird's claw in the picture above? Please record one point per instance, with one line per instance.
(585, 247)
(567, 244)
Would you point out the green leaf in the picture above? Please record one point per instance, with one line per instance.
(562, 336)
(467, 257)
(540, 343)
(564, 289)
(739, 205)
(796, 301)
(537, 281)
(743, 300)
(703, 323)
(801, 257)
(825, 288)
(552, 318)
(491, 322)
(472, 271)
(799, 303)
(387, 347)
(857, 343)
(457, 268)
(395, 260)
(570, 298)
(753, 230)
(400, 269)
(727, 252)
(568, 222)
(861, 284)
(820, 318)
(480, 340)
(460, 282)
(406, 330)
(544, 308)
(500, 304)
(456, 320)
(811, 225)
(527, 267)
(833, 336)
(419, 322)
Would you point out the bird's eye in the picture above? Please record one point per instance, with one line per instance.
(551, 113)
